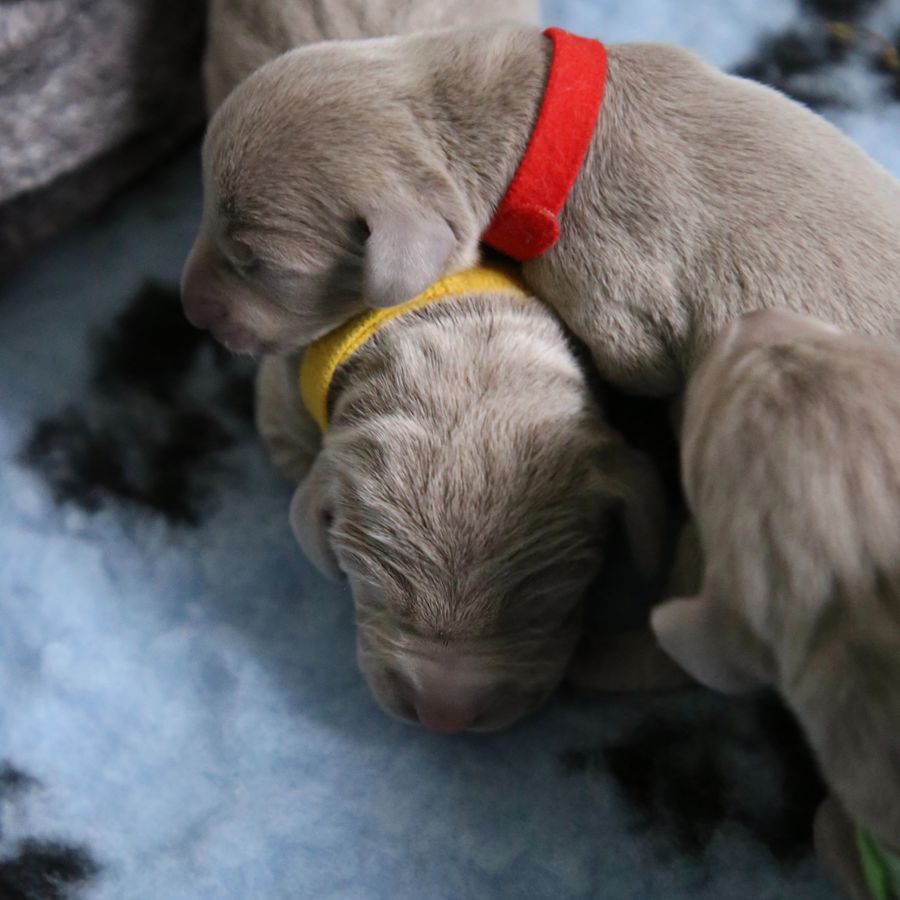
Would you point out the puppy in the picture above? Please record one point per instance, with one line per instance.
(790, 465)
(357, 173)
(464, 486)
(244, 34)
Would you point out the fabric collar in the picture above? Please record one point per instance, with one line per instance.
(526, 223)
(323, 358)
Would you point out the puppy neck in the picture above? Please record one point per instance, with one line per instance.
(526, 223)
(322, 359)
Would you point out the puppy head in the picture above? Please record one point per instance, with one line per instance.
(469, 548)
(789, 466)
(322, 195)
(766, 327)
(729, 362)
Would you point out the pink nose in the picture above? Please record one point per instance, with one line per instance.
(444, 719)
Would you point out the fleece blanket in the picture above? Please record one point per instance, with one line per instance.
(180, 712)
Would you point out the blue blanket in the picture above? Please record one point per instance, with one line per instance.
(180, 712)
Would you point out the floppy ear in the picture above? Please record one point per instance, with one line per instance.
(407, 250)
(311, 515)
(628, 661)
(637, 486)
(696, 635)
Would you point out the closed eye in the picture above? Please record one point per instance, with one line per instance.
(241, 257)
(247, 264)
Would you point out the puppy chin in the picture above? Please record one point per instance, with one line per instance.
(246, 343)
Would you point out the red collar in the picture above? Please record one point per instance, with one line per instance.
(525, 224)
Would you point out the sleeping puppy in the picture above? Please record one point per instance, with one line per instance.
(791, 467)
(357, 173)
(464, 487)
(244, 34)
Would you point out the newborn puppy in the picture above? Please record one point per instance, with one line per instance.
(358, 172)
(244, 34)
(464, 486)
(791, 466)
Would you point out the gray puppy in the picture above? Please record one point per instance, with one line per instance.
(357, 173)
(791, 468)
(242, 35)
(464, 487)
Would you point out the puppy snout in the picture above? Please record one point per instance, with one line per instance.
(201, 306)
(452, 696)
(203, 312)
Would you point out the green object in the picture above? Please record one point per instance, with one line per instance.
(881, 866)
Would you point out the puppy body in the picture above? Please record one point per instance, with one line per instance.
(377, 165)
(245, 34)
(464, 487)
(790, 465)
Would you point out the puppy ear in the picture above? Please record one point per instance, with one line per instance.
(407, 250)
(311, 514)
(629, 661)
(636, 484)
(696, 635)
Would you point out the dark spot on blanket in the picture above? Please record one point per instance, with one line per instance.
(163, 466)
(788, 61)
(164, 405)
(686, 778)
(149, 346)
(888, 63)
(80, 464)
(673, 780)
(33, 869)
(844, 10)
(13, 780)
(44, 870)
(810, 59)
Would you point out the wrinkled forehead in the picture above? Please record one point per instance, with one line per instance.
(455, 532)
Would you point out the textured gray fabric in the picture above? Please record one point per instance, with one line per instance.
(91, 93)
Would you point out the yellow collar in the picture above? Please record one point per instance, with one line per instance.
(322, 359)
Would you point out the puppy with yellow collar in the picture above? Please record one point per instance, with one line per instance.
(453, 465)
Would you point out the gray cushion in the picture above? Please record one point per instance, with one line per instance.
(91, 93)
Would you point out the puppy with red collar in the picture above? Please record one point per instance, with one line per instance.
(651, 198)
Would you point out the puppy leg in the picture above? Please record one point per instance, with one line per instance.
(289, 432)
(835, 840)
(697, 636)
(632, 661)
